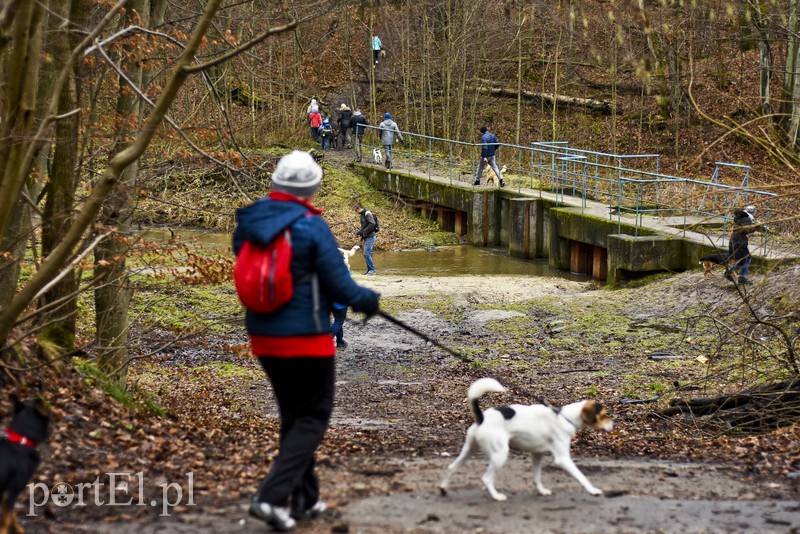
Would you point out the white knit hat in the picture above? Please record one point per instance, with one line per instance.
(297, 174)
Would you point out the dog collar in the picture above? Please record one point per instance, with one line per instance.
(15, 437)
(557, 411)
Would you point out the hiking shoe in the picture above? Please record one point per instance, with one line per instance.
(476, 183)
(728, 276)
(502, 184)
(311, 513)
(276, 516)
(744, 281)
(341, 345)
(370, 273)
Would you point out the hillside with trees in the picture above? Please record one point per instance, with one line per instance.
(118, 115)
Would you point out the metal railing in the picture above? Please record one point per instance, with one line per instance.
(628, 185)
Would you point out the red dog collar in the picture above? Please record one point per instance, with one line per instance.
(15, 437)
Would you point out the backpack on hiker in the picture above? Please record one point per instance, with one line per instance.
(326, 130)
(263, 274)
(377, 224)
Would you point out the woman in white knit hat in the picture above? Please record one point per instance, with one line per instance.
(293, 343)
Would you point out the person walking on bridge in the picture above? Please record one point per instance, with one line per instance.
(489, 146)
(358, 123)
(388, 129)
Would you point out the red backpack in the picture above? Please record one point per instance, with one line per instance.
(263, 274)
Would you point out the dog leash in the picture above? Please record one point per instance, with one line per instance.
(416, 332)
(556, 411)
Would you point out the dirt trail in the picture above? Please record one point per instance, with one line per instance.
(400, 409)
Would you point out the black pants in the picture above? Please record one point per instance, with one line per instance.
(337, 328)
(304, 389)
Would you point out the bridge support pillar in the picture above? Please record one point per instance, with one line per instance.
(486, 219)
(526, 228)
(460, 223)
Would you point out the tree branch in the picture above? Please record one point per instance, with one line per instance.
(241, 48)
(109, 177)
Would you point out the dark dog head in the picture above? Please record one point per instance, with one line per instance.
(31, 419)
(596, 416)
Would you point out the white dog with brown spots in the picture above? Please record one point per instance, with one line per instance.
(536, 429)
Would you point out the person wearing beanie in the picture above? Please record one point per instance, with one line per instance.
(313, 106)
(345, 116)
(739, 244)
(489, 146)
(358, 123)
(388, 130)
(293, 344)
(315, 121)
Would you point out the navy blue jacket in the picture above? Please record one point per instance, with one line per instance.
(320, 276)
(489, 144)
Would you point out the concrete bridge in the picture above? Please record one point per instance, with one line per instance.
(572, 232)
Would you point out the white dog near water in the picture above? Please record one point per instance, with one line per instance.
(377, 155)
(347, 254)
(536, 429)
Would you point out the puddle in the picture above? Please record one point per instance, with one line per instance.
(437, 261)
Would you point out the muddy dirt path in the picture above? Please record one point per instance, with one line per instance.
(400, 411)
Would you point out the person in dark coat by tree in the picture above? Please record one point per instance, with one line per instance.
(294, 344)
(739, 244)
(358, 121)
(345, 114)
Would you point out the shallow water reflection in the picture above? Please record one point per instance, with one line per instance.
(438, 261)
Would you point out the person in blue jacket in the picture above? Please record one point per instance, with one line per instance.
(489, 146)
(377, 46)
(294, 344)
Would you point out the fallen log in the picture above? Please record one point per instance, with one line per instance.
(783, 395)
(600, 106)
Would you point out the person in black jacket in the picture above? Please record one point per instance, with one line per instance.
(368, 233)
(738, 246)
(358, 122)
(293, 343)
(345, 115)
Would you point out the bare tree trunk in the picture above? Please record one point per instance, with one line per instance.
(373, 96)
(759, 12)
(553, 121)
(519, 76)
(57, 214)
(20, 72)
(790, 103)
(107, 180)
(112, 297)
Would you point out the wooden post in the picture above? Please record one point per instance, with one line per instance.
(599, 263)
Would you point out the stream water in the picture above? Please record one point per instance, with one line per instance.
(438, 261)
